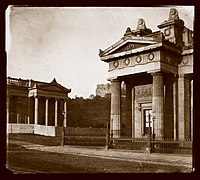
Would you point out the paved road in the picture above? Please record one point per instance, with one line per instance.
(127, 155)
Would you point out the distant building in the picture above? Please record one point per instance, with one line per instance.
(105, 89)
(36, 107)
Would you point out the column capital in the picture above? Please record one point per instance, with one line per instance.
(157, 73)
(181, 75)
(115, 80)
(185, 76)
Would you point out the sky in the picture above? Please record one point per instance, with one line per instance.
(43, 43)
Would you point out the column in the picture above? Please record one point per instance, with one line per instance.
(128, 121)
(158, 104)
(65, 115)
(8, 108)
(18, 110)
(36, 109)
(133, 112)
(175, 106)
(184, 107)
(115, 108)
(29, 114)
(46, 111)
(192, 110)
(168, 108)
(56, 112)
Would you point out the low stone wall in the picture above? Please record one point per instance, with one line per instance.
(54, 131)
(45, 130)
(84, 131)
(20, 128)
(85, 136)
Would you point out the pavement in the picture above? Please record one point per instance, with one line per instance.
(184, 160)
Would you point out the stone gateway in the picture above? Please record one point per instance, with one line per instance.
(157, 68)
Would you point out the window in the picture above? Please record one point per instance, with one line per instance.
(148, 121)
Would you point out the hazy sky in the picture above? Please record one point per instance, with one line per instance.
(63, 43)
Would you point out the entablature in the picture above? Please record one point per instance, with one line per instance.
(47, 93)
(186, 65)
(151, 61)
(17, 91)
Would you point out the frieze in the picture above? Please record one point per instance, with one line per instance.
(135, 60)
(167, 31)
(128, 47)
(167, 58)
(187, 60)
(138, 59)
(127, 61)
(116, 64)
(143, 92)
(151, 56)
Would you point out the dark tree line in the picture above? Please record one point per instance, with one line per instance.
(91, 112)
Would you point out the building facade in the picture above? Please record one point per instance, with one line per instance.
(103, 89)
(36, 107)
(157, 69)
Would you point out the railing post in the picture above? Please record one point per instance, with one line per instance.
(107, 136)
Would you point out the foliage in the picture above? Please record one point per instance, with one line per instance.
(89, 112)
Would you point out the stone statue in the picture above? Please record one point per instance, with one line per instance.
(173, 14)
(141, 24)
(128, 31)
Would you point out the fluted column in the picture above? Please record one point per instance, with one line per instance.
(65, 115)
(175, 108)
(8, 109)
(115, 121)
(158, 104)
(184, 108)
(133, 112)
(128, 121)
(168, 108)
(18, 110)
(28, 116)
(46, 112)
(192, 110)
(56, 112)
(36, 109)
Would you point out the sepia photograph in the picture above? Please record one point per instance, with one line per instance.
(99, 89)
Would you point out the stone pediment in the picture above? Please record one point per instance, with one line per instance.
(129, 46)
(53, 86)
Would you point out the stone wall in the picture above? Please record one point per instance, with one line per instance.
(54, 131)
(20, 128)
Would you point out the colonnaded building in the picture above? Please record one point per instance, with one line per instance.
(36, 107)
(157, 68)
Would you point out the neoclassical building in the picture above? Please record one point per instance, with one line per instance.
(157, 68)
(36, 107)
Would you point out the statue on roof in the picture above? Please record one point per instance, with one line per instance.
(128, 31)
(141, 24)
(173, 14)
(54, 80)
